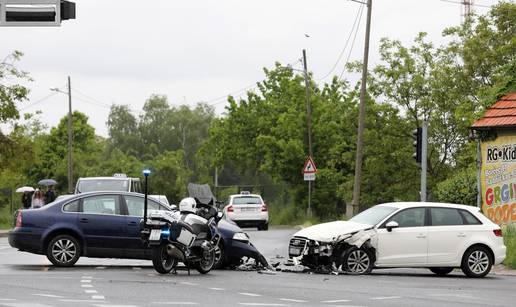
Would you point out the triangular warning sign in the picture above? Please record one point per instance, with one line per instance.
(309, 167)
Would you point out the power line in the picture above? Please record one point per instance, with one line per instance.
(352, 43)
(359, 14)
(38, 101)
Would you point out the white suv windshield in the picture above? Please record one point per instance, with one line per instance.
(247, 200)
(102, 185)
(373, 216)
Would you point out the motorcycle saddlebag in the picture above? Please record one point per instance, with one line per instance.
(182, 233)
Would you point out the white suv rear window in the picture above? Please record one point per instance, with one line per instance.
(247, 200)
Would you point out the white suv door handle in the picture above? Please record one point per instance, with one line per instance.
(421, 236)
(461, 235)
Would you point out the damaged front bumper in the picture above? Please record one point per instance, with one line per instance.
(314, 253)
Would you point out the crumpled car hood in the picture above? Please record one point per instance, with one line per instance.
(327, 232)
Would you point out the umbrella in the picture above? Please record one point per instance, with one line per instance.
(24, 189)
(47, 182)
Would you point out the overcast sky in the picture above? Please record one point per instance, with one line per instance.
(123, 51)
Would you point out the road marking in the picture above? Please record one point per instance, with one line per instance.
(47, 295)
(292, 300)
(86, 277)
(188, 283)
(87, 286)
(79, 301)
(262, 304)
(248, 294)
(385, 297)
(104, 305)
(100, 268)
(90, 291)
(98, 297)
(7, 299)
(26, 305)
(335, 301)
(176, 303)
(86, 280)
(217, 289)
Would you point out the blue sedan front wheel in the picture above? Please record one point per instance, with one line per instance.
(63, 250)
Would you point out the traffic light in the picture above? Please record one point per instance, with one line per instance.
(35, 13)
(418, 142)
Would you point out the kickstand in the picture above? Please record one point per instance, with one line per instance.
(188, 267)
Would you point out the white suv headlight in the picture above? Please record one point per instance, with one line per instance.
(240, 236)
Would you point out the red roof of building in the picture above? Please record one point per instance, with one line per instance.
(500, 114)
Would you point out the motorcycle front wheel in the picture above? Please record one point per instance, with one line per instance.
(206, 263)
(162, 262)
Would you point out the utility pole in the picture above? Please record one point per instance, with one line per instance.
(353, 209)
(70, 161)
(309, 127)
(424, 160)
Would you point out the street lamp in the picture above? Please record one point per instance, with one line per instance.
(146, 173)
(308, 121)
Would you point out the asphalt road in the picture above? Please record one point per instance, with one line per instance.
(30, 280)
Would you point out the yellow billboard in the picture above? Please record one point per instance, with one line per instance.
(498, 179)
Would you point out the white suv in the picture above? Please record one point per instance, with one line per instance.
(436, 236)
(246, 209)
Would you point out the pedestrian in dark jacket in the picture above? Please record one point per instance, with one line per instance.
(26, 200)
(50, 195)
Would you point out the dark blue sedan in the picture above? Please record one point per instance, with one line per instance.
(105, 225)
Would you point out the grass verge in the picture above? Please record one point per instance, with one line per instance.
(509, 238)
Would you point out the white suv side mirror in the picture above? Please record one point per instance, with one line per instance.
(391, 225)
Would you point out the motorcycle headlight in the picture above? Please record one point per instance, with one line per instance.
(240, 236)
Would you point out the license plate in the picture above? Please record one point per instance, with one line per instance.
(155, 235)
(294, 251)
(247, 209)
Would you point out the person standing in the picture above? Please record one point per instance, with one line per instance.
(50, 194)
(38, 200)
(26, 200)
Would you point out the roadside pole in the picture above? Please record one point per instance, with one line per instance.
(355, 202)
(309, 128)
(424, 160)
(70, 161)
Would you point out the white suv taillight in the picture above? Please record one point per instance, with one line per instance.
(264, 207)
(230, 209)
(19, 219)
(498, 232)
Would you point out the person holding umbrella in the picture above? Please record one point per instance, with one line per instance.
(26, 198)
(50, 195)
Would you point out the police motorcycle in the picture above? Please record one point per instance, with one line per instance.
(189, 235)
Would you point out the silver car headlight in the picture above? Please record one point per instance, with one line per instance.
(241, 236)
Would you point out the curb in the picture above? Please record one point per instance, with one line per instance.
(4, 233)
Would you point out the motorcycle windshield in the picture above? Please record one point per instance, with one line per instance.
(201, 192)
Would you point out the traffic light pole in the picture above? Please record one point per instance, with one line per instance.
(424, 142)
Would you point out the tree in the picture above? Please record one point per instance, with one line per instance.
(123, 129)
(10, 93)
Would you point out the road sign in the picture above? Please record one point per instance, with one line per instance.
(309, 176)
(309, 167)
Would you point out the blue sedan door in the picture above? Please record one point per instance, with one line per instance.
(135, 205)
(103, 225)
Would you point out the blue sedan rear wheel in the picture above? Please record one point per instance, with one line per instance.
(63, 250)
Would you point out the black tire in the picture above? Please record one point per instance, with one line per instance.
(220, 256)
(357, 261)
(63, 250)
(263, 226)
(476, 262)
(441, 271)
(206, 263)
(161, 261)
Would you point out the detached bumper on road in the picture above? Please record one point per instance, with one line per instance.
(25, 241)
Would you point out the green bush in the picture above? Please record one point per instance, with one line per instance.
(509, 238)
(6, 218)
(461, 188)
